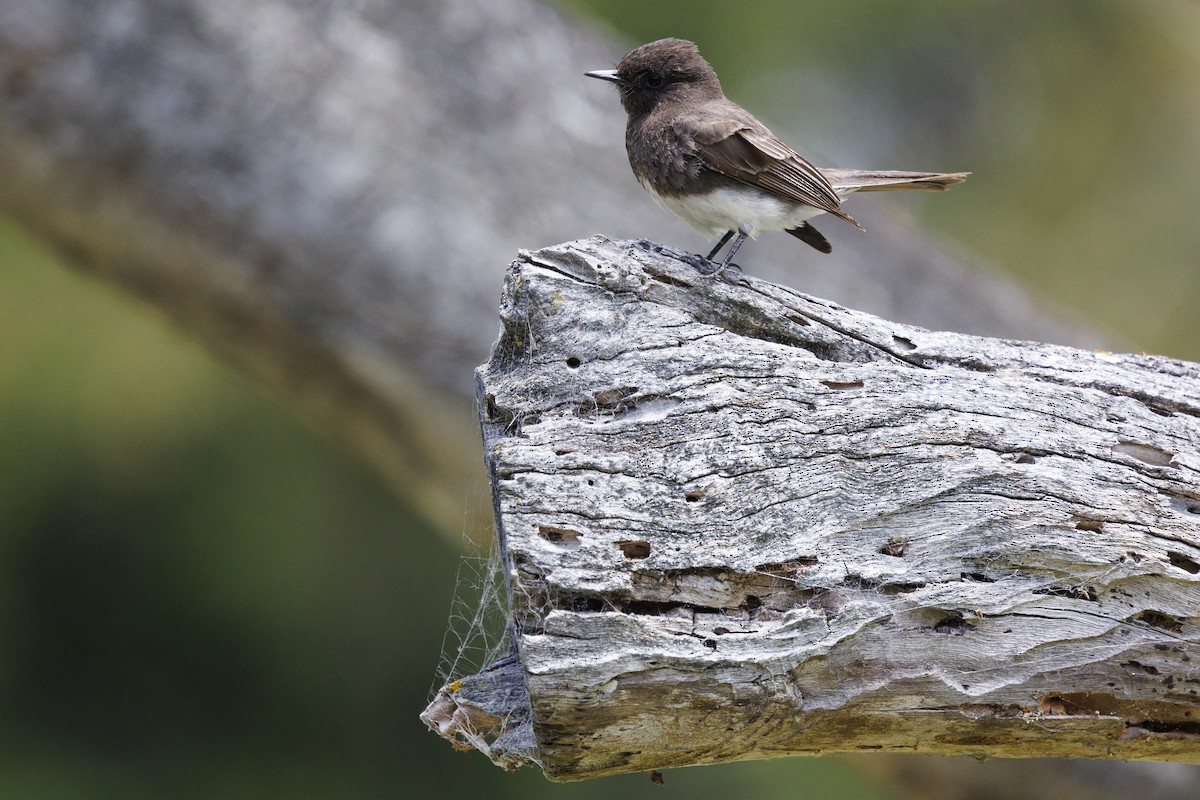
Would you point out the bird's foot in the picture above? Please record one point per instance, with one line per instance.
(707, 267)
(701, 264)
(716, 269)
(732, 273)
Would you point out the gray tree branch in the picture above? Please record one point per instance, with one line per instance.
(742, 522)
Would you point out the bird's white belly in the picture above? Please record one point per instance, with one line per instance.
(747, 210)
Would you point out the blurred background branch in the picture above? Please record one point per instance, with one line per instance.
(325, 195)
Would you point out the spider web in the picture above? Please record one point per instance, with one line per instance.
(481, 703)
(477, 633)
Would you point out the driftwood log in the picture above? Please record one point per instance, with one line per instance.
(742, 522)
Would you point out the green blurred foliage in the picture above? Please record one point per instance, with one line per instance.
(200, 598)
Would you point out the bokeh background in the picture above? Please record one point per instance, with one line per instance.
(199, 597)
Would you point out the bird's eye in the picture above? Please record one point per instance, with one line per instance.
(655, 80)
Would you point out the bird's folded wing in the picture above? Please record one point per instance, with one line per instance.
(739, 146)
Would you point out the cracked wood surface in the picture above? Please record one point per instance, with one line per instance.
(743, 522)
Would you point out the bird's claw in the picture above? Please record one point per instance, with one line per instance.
(700, 264)
(705, 266)
(733, 273)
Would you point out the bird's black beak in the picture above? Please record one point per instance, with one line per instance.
(605, 75)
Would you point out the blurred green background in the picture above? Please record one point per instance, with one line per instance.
(201, 598)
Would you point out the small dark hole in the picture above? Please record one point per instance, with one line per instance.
(1149, 669)
(694, 497)
(900, 588)
(1183, 562)
(573, 362)
(859, 582)
(616, 398)
(634, 549)
(711, 644)
(1147, 454)
(496, 415)
(561, 536)
(1025, 458)
(1160, 620)
(843, 386)
(1053, 704)
(583, 604)
(906, 344)
(953, 623)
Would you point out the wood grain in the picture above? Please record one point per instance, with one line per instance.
(742, 522)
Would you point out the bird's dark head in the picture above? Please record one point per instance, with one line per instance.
(662, 71)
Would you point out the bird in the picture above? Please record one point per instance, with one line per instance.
(710, 162)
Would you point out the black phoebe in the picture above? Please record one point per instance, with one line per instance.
(708, 160)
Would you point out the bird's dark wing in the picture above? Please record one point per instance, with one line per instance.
(734, 143)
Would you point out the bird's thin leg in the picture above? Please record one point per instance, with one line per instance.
(705, 264)
(720, 244)
(725, 262)
(733, 248)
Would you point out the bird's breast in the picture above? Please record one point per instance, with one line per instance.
(727, 208)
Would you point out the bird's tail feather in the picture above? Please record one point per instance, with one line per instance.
(881, 180)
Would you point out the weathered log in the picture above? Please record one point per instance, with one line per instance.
(742, 522)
